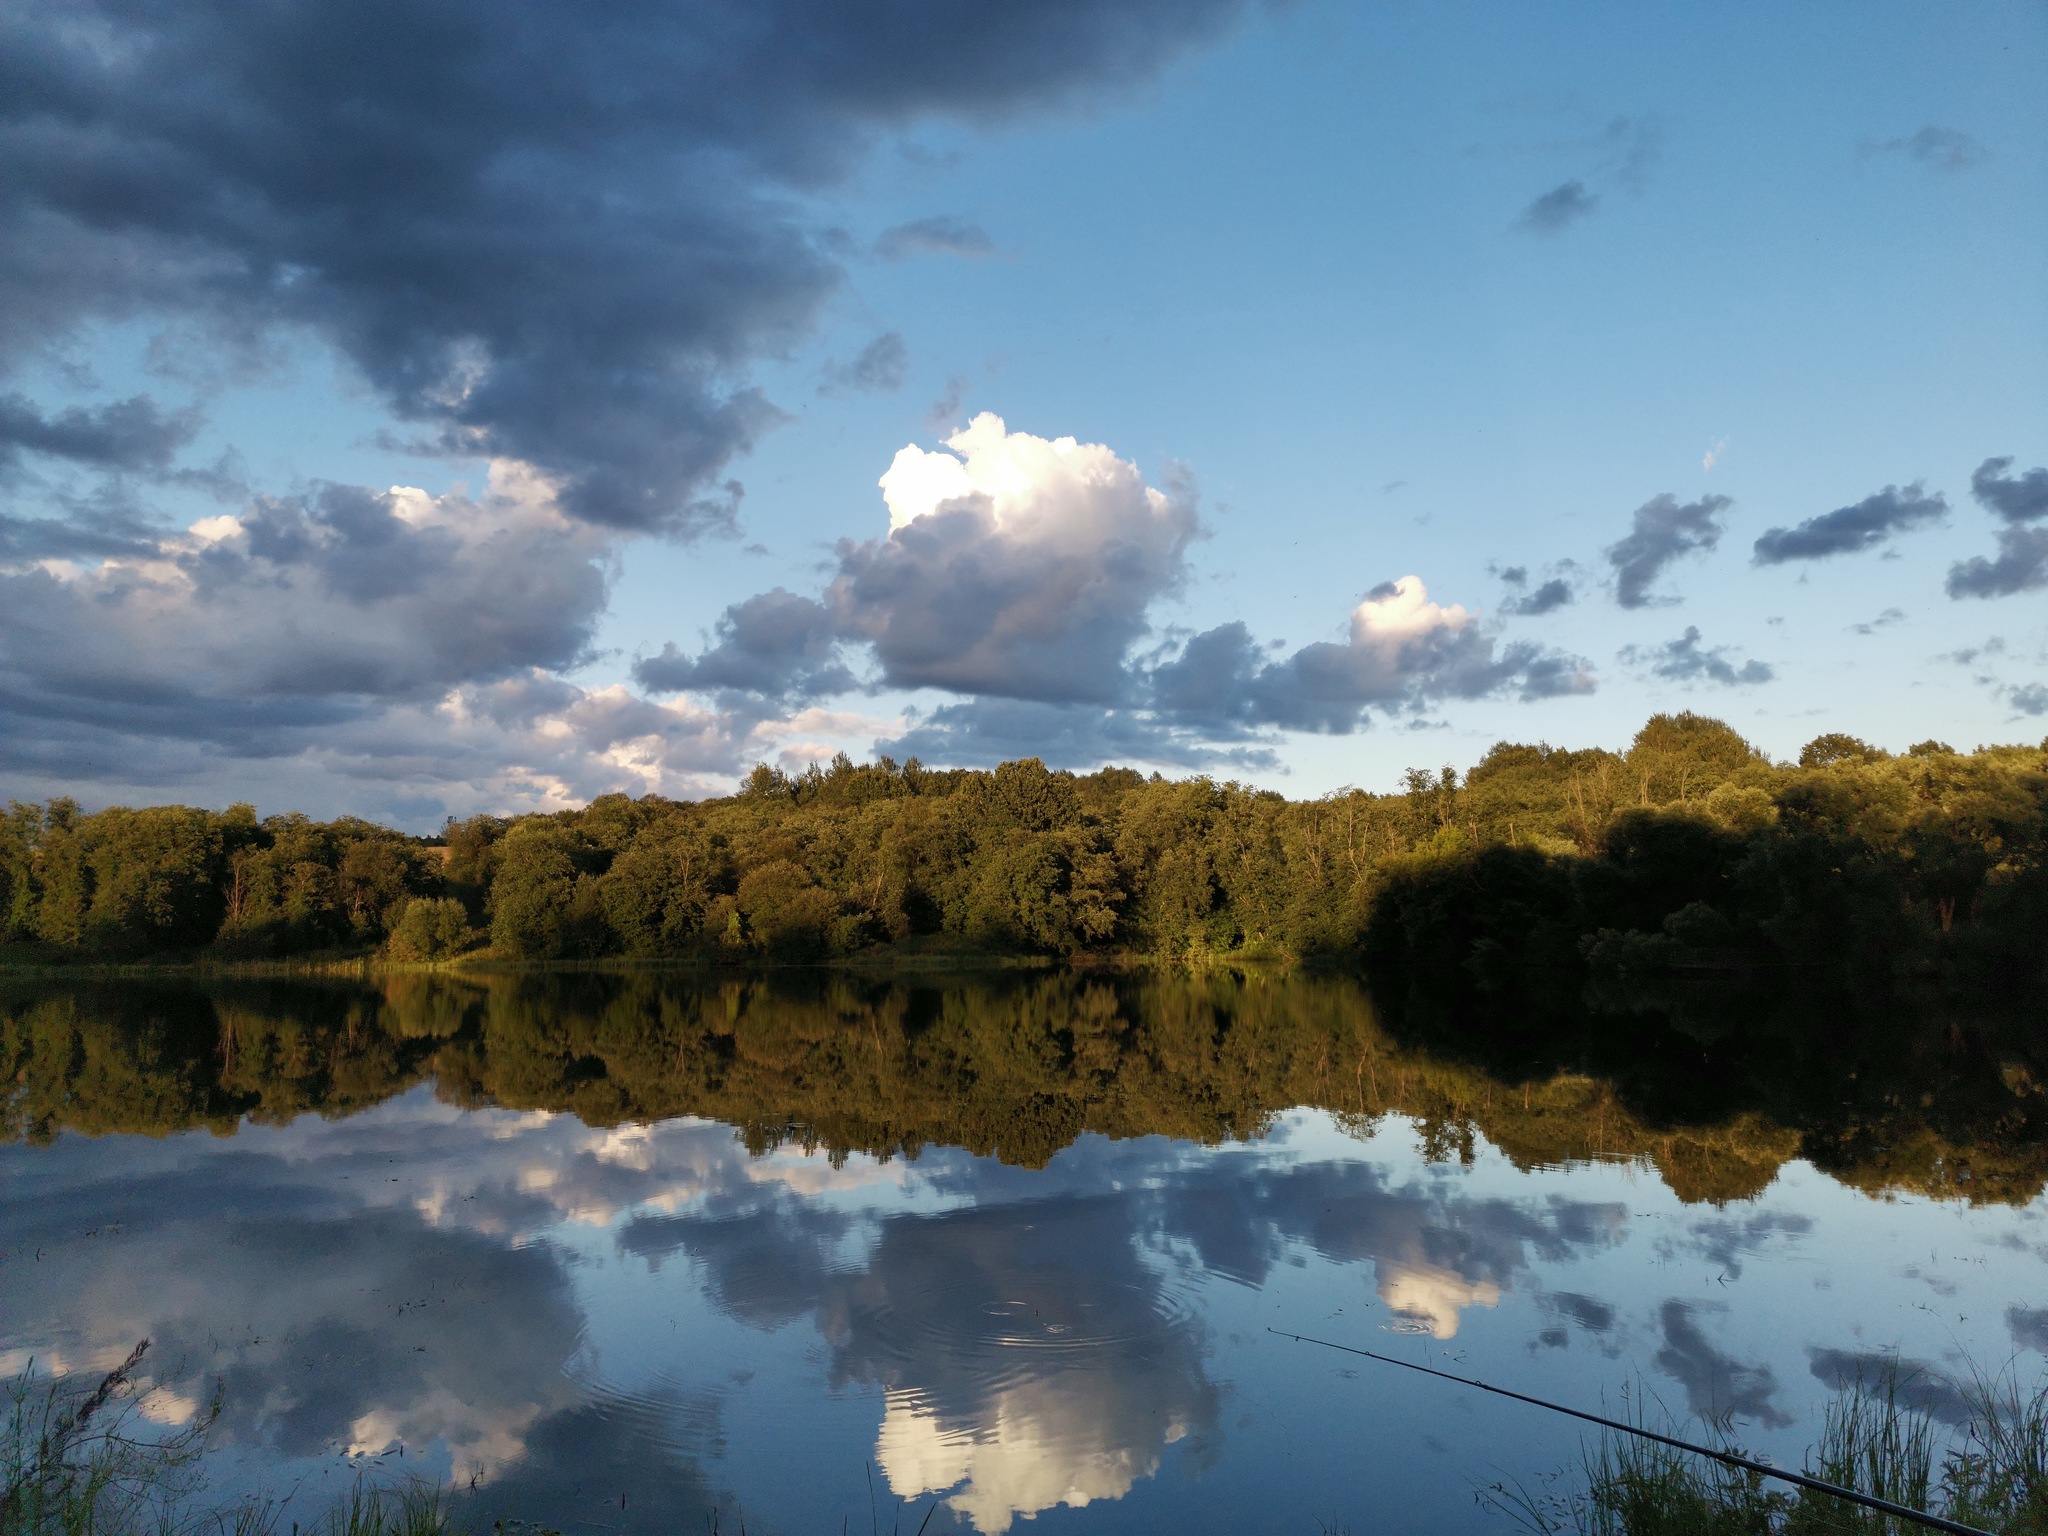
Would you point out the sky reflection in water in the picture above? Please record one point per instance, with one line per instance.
(630, 1325)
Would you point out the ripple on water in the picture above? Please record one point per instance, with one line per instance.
(1037, 1323)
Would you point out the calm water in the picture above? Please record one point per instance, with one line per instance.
(617, 1251)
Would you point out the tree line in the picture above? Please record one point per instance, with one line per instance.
(1689, 853)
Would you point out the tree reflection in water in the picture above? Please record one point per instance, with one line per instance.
(1712, 1091)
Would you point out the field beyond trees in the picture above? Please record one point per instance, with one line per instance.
(1689, 854)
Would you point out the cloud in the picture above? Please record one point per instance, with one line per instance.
(1625, 153)
(942, 416)
(2030, 700)
(1558, 209)
(1020, 573)
(536, 239)
(341, 593)
(1686, 660)
(2016, 498)
(1403, 652)
(939, 236)
(1847, 530)
(777, 646)
(383, 652)
(1884, 620)
(1663, 530)
(1635, 145)
(132, 434)
(1014, 566)
(2021, 566)
(1552, 594)
(1941, 149)
(1549, 595)
(877, 367)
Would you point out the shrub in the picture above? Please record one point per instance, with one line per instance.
(431, 928)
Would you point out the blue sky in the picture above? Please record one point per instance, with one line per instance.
(1294, 265)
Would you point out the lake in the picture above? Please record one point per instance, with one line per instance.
(619, 1251)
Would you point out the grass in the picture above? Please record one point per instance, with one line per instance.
(76, 1462)
(1994, 1478)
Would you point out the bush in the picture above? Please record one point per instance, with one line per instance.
(431, 928)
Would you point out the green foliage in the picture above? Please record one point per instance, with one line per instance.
(1684, 757)
(431, 928)
(1835, 747)
(1540, 867)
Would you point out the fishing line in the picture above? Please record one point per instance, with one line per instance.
(1800, 1479)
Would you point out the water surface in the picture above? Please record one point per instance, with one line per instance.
(616, 1251)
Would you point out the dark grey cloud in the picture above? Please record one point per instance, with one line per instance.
(1547, 596)
(1916, 1384)
(342, 594)
(1623, 153)
(1847, 530)
(113, 528)
(942, 235)
(1404, 653)
(537, 237)
(2032, 699)
(1686, 660)
(131, 434)
(2021, 566)
(877, 367)
(348, 650)
(2016, 498)
(1663, 529)
(776, 645)
(1942, 149)
(1558, 209)
(1717, 1386)
(1552, 594)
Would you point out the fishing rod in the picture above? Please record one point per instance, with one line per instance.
(1800, 1479)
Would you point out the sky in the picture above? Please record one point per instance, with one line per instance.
(414, 409)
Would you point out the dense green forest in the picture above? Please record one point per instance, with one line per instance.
(1539, 868)
(1018, 1064)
